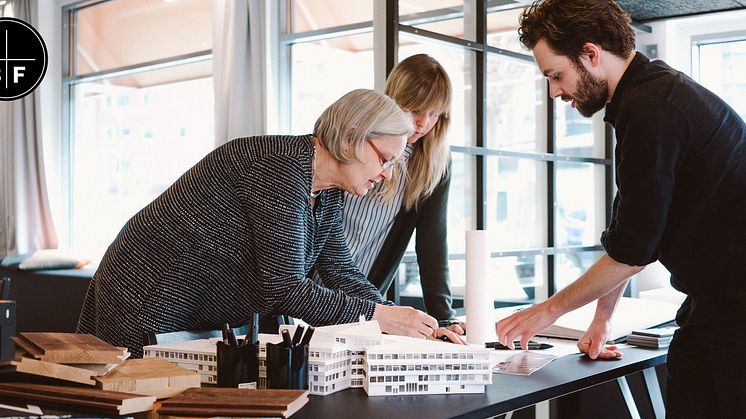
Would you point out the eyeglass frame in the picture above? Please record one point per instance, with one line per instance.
(385, 163)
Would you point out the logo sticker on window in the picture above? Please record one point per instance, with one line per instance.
(23, 58)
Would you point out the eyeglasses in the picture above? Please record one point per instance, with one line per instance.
(385, 163)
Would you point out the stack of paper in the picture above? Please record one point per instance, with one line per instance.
(652, 338)
(631, 314)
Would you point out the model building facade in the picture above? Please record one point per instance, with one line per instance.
(358, 355)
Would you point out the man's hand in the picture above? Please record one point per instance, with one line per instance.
(404, 321)
(525, 323)
(594, 339)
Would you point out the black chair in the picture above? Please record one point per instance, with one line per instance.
(5, 288)
(266, 325)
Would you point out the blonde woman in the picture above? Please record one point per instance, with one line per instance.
(379, 225)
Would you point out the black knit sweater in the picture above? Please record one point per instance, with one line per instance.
(235, 234)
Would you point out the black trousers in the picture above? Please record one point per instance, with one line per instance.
(706, 377)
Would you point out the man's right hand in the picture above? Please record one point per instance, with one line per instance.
(594, 339)
(404, 321)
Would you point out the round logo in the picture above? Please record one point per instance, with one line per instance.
(23, 58)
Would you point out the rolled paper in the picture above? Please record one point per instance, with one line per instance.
(479, 298)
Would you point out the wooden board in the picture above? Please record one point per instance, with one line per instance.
(45, 369)
(69, 348)
(152, 376)
(211, 401)
(76, 399)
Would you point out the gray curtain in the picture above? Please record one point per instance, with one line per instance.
(239, 68)
(26, 223)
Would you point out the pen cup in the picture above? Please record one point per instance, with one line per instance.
(287, 367)
(238, 367)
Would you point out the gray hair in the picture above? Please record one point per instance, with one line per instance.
(358, 116)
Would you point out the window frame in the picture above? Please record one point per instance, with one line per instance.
(69, 34)
(392, 26)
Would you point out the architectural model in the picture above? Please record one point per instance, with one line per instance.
(358, 355)
(197, 355)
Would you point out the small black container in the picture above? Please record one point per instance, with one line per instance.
(238, 367)
(287, 367)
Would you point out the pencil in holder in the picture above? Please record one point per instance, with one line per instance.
(287, 367)
(238, 366)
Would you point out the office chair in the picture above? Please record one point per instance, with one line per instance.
(5, 288)
(266, 325)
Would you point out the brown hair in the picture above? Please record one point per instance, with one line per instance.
(419, 84)
(566, 25)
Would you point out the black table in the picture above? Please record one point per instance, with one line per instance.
(506, 393)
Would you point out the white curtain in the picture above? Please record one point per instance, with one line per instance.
(240, 68)
(26, 224)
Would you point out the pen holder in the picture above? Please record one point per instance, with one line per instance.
(287, 367)
(238, 367)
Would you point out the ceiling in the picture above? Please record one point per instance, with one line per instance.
(647, 10)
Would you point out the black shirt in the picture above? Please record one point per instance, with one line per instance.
(681, 176)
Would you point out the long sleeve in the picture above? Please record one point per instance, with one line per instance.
(279, 236)
(336, 270)
(648, 158)
(432, 251)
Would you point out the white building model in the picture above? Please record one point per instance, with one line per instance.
(198, 355)
(358, 355)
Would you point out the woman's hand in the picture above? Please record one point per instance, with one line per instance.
(404, 321)
(449, 333)
(457, 328)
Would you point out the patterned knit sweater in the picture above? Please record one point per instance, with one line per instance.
(235, 234)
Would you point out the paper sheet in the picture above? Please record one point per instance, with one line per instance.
(523, 362)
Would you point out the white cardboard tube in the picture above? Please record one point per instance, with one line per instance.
(479, 298)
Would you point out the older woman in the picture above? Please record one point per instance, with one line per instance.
(240, 231)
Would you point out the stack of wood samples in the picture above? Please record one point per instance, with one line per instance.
(69, 348)
(75, 399)
(86, 359)
(151, 376)
(64, 356)
(235, 402)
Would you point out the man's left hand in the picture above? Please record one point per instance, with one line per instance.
(594, 339)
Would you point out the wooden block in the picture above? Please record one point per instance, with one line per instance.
(234, 402)
(49, 370)
(76, 399)
(70, 348)
(152, 376)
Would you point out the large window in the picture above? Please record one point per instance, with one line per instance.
(139, 108)
(328, 50)
(720, 65)
(533, 173)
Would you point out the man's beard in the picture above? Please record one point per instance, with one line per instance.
(591, 94)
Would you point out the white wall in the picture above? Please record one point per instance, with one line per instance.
(674, 37)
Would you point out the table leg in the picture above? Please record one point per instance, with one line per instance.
(628, 399)
(654, 391)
